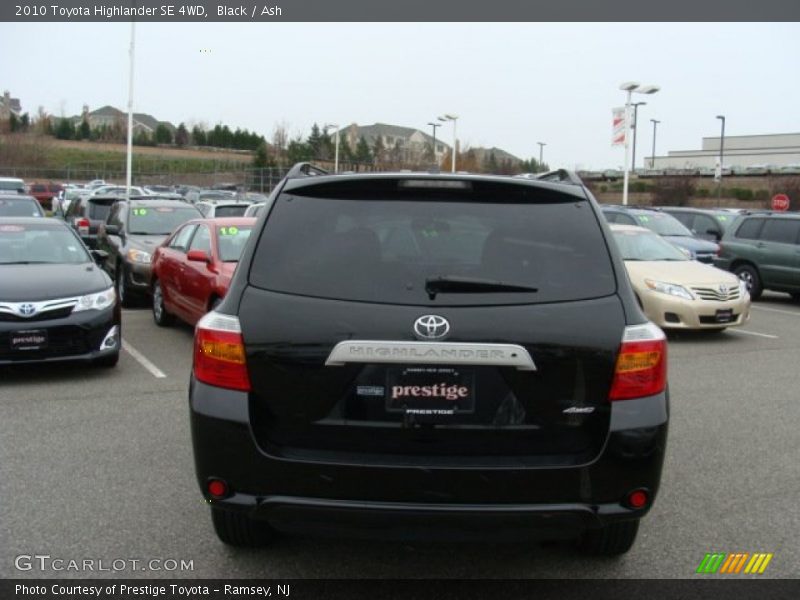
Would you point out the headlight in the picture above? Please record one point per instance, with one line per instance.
(669, 288)
(137, 256)
(97, 301)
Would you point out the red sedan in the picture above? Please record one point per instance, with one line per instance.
(192, 269)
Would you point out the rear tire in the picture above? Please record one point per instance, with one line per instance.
(237, 529)
(160, 314)
(749, 274)
(611, 540)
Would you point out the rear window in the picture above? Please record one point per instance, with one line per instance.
(386, 250)
(11, 185)
(22, 207)
(231, 241)
(98, 211)
(663, 224)
(230, 211)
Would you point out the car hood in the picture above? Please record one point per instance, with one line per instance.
(691, 243)
(679, 272)
(21, 283)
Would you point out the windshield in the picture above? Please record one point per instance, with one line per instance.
(159, 220)
(465, 252)
(640, 245)
(231, 241)
(31, 244)
(11, 186)
(22, 207)
(662, 224)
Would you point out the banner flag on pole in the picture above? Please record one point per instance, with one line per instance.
(618, 126)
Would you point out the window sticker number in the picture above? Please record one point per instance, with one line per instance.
(139, 212)
(644, 218)
(228, 230)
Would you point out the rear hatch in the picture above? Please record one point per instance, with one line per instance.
(459, 320)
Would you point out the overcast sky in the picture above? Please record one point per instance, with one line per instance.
(512, 85)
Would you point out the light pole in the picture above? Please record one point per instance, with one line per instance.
(635, 125)
(434, 125)
(721, 157)
(453, 118)
(336, 146)
(129, 157)
(630, 87)
(653, 157)
(541, 154)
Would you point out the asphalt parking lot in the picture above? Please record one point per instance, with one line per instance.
(97, 464)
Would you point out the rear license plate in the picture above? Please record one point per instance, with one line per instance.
(724, 315)
(430, 391)
(32, 339)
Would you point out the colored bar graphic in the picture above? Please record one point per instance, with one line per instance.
(733, 563)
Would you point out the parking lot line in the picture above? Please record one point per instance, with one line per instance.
(142, 360)
(777, 310)
(764, 335)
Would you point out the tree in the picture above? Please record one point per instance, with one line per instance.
(363, 153)
(84, 131)
(280, 138)
(199, 137)
(378, 150)
(181, 136)
(65, 130)
(25, 122)
(298, 151)
(13, 123)
(261, 158)
(314, 142)
(163, 134)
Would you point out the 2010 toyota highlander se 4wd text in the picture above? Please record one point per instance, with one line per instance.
(454, 356)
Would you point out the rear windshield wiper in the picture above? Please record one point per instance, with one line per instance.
(466, 285)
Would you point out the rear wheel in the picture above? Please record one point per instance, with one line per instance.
(749, 274)
(237, 529)
(160, 314)
(611, 540)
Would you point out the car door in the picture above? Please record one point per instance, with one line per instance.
(171, 266)
(779, 253)
(198, 279)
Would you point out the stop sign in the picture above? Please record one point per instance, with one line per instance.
(780, 202)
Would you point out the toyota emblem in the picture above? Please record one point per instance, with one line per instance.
(723, 289)
(27, 310)
(431, 327)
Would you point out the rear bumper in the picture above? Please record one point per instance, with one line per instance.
(400, 500)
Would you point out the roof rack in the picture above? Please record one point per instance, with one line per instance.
(305, 169)
(560, 176)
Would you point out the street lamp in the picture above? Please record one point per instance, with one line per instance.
(653, 157)
(635, 126)
(721, 157)
(336, 146)
(541, 150)
(434, 125)
(631, 87)
(453, 118)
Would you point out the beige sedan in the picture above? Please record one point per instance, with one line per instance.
(676, 292)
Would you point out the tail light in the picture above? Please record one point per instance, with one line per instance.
(83, 226)
(641, 368)
(219, 356)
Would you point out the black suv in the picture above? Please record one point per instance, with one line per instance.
(430, 355)
(763, 249)
(87, 213)
(134, 229)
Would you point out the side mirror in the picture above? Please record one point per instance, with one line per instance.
(112, 229)
(198, 256)
(99, 256)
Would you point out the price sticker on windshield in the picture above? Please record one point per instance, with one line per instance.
(644, 218)
(139, 212)
(228, 230)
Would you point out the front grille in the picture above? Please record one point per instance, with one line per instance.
(58, 313)
(714, 294)
(68, 340)
(715, 321)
